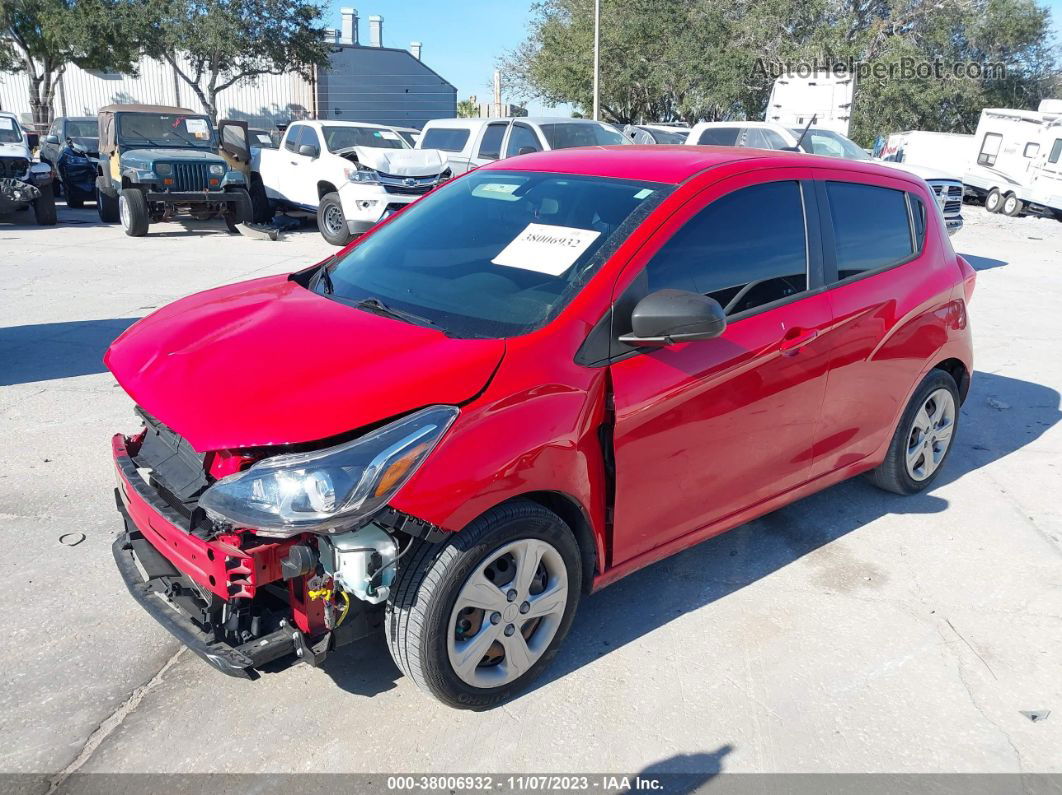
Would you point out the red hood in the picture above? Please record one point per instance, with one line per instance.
(268, 362)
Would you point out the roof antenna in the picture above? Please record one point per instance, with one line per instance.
(800, 140)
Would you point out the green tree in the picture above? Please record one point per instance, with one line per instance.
(213, 44)
(467, 109)
(43, 37)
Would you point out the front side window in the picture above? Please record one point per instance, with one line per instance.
(720, 136)
(291, 140)
(989, 149)
(165, 129)
(522, 137)
(1056, 150)
(566, 135)
(490, 146)
(870, 227)
(731, 252)
(309, 138)
(667, 136)
(448, 139)
(340, 139)
(494, 253)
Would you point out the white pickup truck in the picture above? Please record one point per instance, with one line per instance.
(349, 174)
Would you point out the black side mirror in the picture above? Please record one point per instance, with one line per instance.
(309, 150)
(526, 150)
(669, 316)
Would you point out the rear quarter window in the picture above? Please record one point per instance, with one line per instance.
(448, 139)
(871, 227)
(719, 136)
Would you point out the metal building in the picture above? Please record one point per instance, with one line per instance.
(369, 83)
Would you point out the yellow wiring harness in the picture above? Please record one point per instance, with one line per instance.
(327, 593)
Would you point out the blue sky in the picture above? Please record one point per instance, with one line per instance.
(462, 38)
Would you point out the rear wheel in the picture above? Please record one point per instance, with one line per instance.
(261, 211)
(133, 211)
(994, 201)
(923, 439)
(475, 619)
(106, 207)
(44, 207)
(1012, 205)
(332, 222)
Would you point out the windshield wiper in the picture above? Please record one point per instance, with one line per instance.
(378, 307)
(324, 278)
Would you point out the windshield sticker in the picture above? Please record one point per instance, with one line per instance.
(497, 190)
(644, 193)
(387, 135)
(265, 139)
(198, 127)
(6, 123)
(546, 249)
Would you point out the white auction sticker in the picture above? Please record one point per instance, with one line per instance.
(6, 123)
(197, 127)
(546, 249)
(387, 135)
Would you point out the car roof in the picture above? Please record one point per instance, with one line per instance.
(669, 163)
(76, 118)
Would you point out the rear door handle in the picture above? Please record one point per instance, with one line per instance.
(795, 339)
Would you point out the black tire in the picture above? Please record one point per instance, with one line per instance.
(261, 210)
(1012, 206)
(107, 207)
(238, 211)
(427, 587)
(994, 201)
(133, 212)
(331, 221)
(892, 475)
(44, 207)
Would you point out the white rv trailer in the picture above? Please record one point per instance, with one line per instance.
(950, 152)
(1016, 165)
(825, 95)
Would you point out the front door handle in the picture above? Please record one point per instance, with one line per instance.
(795, 339)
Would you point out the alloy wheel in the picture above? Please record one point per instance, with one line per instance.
(123, 212)
(334, 220)
(507, 612)
(930, 435)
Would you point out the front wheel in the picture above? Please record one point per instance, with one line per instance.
(133, 210)
(994, 201)
(473, 620)
(923, 439)
(332, 222)
(44, 207)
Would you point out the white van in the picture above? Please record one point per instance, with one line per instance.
(470, 143)
(949, 152)
(1015, 165)
(819, 141)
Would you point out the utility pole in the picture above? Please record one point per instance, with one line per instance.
(597, 57)
(497, 94)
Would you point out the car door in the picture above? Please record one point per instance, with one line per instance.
(234, 144)
(705, 429)
(49, 152)
(889, 288)
(311, 169)
(285, 182)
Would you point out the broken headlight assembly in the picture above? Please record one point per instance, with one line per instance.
(323, 490)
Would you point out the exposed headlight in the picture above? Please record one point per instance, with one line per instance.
(217, 169)
(163, 169)
(330, 488)
(363, 175)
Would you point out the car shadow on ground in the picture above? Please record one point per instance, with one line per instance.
(47, 351)
(982, 263)
(1001, 415)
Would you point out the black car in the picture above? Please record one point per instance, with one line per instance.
(71, 147)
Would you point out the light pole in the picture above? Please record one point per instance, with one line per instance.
(597, 56)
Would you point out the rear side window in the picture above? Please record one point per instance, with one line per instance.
(989, 149)
(727, 250)
(1056, 150)
(448, 139)
(720, 136)
(918, 217)
(522, 137)
(871, 228)
(490, 146)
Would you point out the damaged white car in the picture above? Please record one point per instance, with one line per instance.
(349, 174)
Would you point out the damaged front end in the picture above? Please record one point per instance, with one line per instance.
(311, 571)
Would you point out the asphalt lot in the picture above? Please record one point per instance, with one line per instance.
(854, 631)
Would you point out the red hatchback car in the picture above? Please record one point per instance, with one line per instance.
(542, 376)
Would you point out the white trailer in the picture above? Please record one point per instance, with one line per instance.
(951, 152)
(1015, 166)
(825, 95)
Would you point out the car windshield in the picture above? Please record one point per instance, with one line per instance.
(494, 253)
(668, 136)
(339, 138)
(565, 135)
(165, 129)
(831, 144)
(82, 128)
(9, 131)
